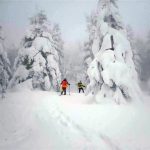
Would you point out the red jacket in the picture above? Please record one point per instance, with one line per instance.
(64, 84)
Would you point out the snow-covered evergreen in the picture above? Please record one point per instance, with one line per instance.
(88, 44)
(58, 45)
(92, 36)
(5, 71)
(39, 56)
(144, 48)
(135, 49)
(112, 73)
(12, 52)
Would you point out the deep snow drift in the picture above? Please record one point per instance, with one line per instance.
(36, 120)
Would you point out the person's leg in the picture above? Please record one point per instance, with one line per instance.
(82, 90)
(79, 90)
(64, 91)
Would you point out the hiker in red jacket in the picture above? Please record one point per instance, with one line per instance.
(64, 85)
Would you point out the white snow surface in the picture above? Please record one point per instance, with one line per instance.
(40, 120)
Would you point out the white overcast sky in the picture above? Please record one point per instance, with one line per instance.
(70, 14)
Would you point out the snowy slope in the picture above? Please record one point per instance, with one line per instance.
(36, 120)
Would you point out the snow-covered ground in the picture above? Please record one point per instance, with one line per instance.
(37, 120)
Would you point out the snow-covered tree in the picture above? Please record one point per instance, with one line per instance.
(95, 38)
(39, 56)
(5, 71)
(130, 35)
(58, 45)
(135, 49)
(12, 52)
(112, 72)
(90, 41)
(88, 57)
(92, 36)
(144, 47)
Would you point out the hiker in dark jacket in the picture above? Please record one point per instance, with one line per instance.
(81, 87)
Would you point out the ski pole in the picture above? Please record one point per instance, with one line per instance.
(60, 89)
(69, 89)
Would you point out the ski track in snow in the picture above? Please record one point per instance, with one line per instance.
(44, 119)
(59, 116)
(66, 121)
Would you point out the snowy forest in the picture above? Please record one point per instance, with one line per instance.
(94, 96)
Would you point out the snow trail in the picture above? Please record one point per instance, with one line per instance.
(56, 113)
(37, 120)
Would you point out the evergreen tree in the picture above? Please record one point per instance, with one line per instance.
(88, 57)
(144, 47)
(5, 71)
(58, 45)
(136, 52)
(12, 52)
(88, 45)
(38, 58)
(108, 12)
(112, 73)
